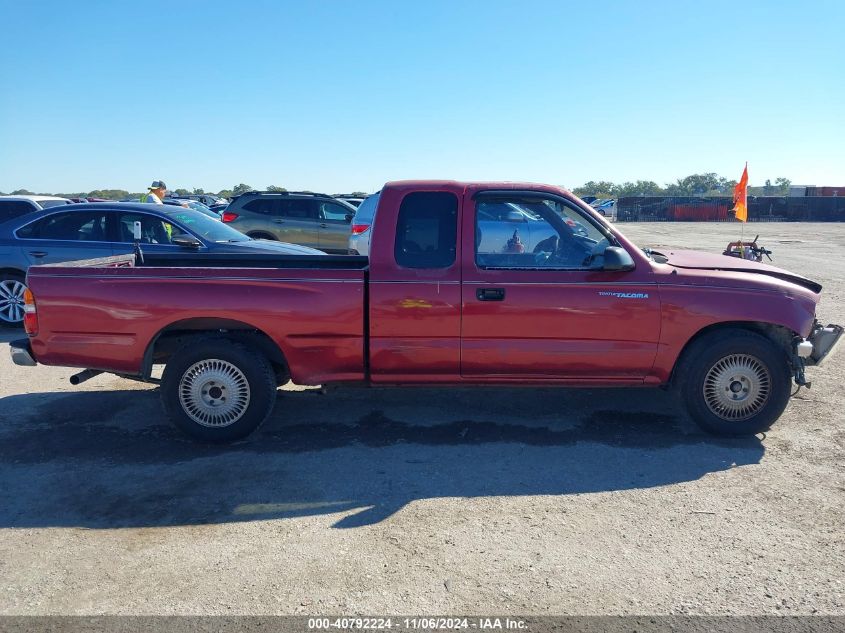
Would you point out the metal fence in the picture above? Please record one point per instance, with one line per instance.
(760, 209)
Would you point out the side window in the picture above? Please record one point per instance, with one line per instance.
(334, 212)
(427, 230)
(154, 230)
(535, 233)
(10, 209)
(298, 209)
(88, 226)
(265, 206)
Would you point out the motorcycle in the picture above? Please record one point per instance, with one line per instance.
(750, 251)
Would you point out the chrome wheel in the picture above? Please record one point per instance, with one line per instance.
(737, 387)
(11, 300)
(214, 393)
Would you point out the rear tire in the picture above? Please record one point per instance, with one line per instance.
(218, 390)
(735, 382)
(12, 287)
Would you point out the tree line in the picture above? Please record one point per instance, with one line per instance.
(709, 184)
(121, 194)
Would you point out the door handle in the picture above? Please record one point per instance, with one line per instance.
(37, 253)
(323, 225)
(490, 294)
(279, 221)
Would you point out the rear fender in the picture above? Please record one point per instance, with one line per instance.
(170, 338)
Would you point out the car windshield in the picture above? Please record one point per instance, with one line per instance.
(206, 227)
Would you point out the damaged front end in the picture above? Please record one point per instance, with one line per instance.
(815, 349)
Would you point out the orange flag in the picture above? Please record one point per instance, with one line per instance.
(741, 197)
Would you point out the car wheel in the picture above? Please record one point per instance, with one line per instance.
(217, 390)
(735, 382)
(12, 288)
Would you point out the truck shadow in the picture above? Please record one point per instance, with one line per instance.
(110, 459)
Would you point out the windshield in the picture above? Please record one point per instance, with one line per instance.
(206, 227)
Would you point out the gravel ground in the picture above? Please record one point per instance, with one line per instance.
(426, 501)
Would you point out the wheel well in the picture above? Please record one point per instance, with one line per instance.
(12, 271)
(172, 337)
(779, 335)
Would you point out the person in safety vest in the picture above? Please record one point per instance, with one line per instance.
(156, 192)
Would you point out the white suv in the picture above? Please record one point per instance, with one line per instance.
(14, 206)
(362, 223)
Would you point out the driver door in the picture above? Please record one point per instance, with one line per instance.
(536, 303)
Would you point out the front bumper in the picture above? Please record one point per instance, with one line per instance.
(21, 353)
(824, 339)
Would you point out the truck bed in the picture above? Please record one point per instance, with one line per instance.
(109, 313)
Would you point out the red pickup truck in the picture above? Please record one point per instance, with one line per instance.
(466, 284)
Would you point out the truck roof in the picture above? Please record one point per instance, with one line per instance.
(477, 186)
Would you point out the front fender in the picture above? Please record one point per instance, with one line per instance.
(687, 310)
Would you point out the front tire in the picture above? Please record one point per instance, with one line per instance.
(735, 382)
(217, 390)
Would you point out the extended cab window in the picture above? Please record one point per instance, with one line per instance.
(531, 233)
(426, 231)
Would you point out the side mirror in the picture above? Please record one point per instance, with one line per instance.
(617, 259)
(186, 241)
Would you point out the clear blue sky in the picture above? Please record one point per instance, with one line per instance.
(338, 96)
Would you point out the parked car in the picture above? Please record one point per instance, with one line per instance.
(355, 202)
(208, 199)
(14, 206)
(86, 231)
(362, 224)
(310, 219)
(605, 206)
(433, 306)
(192, 204)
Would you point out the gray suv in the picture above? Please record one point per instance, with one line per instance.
(309, 219)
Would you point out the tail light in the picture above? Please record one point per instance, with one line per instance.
(228, 216)
(357, 229)
(30, 314)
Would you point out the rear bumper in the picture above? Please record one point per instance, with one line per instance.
(824, 339)
(21, 353)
